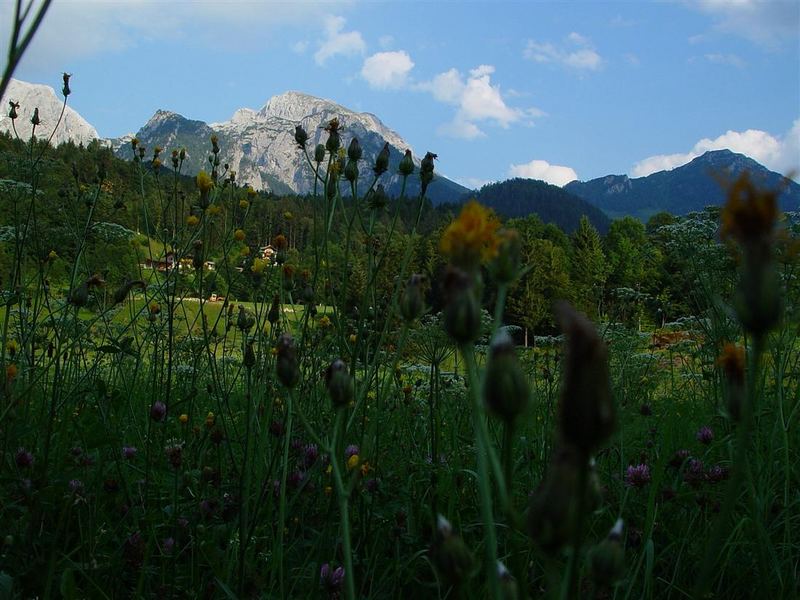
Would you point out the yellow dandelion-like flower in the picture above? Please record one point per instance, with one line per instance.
(258, 266)
(210, 419)
(365, 468)
(214, 209)
(324, 322)
(184, 419)
(192, 220)
(251, 192)
(52, 255)
(472, 238)
(243, 204)
(749, 213)
(288, 216)
(239, 235)
(204, 182)
(353, 338)
(352, 462)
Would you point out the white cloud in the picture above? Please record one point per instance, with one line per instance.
(338, 42)
(731, 60)
(300, 47)
(543, 170)
(387, 70)
(576, 53)
(114, 26)
(778, 153)
(386, 41)
(765, 23)
(476, 100)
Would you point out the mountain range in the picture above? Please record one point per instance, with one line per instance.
(259, 146)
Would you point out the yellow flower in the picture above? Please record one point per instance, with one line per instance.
(258, 266)
(52, 255)
(353, 338)
(365, 468)
(287, 215)
(324, 322)
(192, 220)
(184, 419)
(243, 204)
(204, 182)
(238, 235)
(750, 213)
(12, 347)
(328, 490)
(472, 238)
(214, 209)
(352, 462)
(154, 308)
(251, 192)
(210, 419)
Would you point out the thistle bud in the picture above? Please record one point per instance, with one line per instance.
(354, 151)
(426, 171)
(319, 153)
(382, 161)
(274, 311)
(182, 154)
(339, 383)
(122, 292)
(300, 136)
(505, 266)
(450, 554)
(607, 559)
(244, 321)
(412, 303)
(286, 364)
(586, 413)
(65, 89)
(12, 113)
(334, 141)
(506, 390)
(406, 166)
(378, 198)
(249, 356)
(351, 171)
(462, 312)
(552, 512)
(35, 118)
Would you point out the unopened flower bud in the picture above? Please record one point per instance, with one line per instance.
(300, 136)
(249, 356)
(462, 312)
(275, 310)
(450, 554)
(412, 303)
(607, 559)
(339, 383)
(426, 171)
(382, 160)
(122, 292)
(334, 141)
(286, 364)
(406, 166)
(331, 188)
(505, 266)
(586, 413)
(319, 153)
(506, 390)
(12, 113)
(351, 171)
(65, 89)
(354, 151)
(35, 118)
(245, 320)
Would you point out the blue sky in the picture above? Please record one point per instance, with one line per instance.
(552, 90)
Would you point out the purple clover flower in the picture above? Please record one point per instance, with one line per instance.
(637, 476)
(705, 435)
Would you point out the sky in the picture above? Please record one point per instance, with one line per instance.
(550, 90)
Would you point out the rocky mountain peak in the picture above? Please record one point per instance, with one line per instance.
(73, 127)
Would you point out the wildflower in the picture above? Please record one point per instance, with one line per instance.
(365, 468)
(75, 486)
(319, 153)
(12, 112)
(332, 580)
(678, 459)
(192, 220)
(275, 310)
(245, 251)
(339, 383)
(204, 182)
(426, 171)
(351, 171)
(310, 455)
(129, 452)
(174, 453)
(12, 347)
(406, 166)
(286, 363)
(154, 308)
(280, 242)
(354, 150)
(506, 390)
(258, 266)
(607, 559)
(324, 322)
(52, 255)
(412, 303)
(210, 420)
(244, 321)
(239, 235)
(23, 458)
(382, 161)
(35, 118)
(243, 204)
(705, 435)
(332, 145)
(352, 462)
(471, 239)
(587, 415)
(462, 313)
(637, 476)
(749, 213)
(694, 474)
(505, 266)
(300, 136)
(158, 411)
(450, 554)
(350, 451)
(184, 419)
(352, 338)
(122, 292)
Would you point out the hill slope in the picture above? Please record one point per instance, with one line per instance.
(690, 187)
